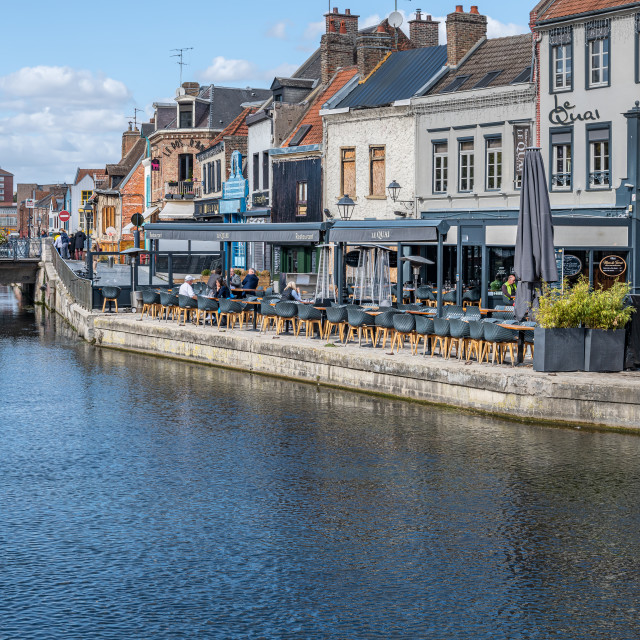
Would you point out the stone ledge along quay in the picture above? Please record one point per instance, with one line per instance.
(581, 399)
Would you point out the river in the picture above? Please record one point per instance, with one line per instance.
(145, 498)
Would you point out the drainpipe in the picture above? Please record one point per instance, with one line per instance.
(632, 190)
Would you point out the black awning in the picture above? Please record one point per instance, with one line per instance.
(391, 231)
(295, 234)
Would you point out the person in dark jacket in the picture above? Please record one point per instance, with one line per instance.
(221, 290)
(250, 280)
(64, 241)
(291, 293)
(72, 246)
(80, 240)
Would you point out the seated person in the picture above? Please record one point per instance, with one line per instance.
(235, 279)
(291, 292)
(250, 280)
(509, 289)
(221, 290)
(186, 289)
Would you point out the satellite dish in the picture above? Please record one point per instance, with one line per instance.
(181, 91)
(396, 19)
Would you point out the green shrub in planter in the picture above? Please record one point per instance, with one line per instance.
(605, 319)
(559, 339)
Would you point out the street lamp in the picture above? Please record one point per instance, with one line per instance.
(394, 192)
(346, 206)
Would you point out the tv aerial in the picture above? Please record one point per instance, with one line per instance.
(181, 62)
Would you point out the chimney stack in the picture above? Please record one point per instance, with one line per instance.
(338, 43)
(129, 138)
(191, 88)
(464, 30)
(372, 49)
(424, 32)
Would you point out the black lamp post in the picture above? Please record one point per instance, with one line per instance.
(346, 206)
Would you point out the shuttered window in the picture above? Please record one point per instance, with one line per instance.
(301, 199)
(256, 172)
(348, 173)
(108, 219)
(377, 171)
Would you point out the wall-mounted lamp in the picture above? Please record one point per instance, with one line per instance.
(346, 206)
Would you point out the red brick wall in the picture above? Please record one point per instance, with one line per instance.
(463, 31)
(7, 198)
(132, 199)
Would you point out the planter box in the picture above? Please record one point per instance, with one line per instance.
(558, 349)
(604, 350)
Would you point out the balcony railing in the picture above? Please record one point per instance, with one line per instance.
(183, 190)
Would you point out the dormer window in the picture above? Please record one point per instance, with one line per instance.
(278, 97)
(186, 118)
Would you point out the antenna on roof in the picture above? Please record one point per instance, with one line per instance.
(136, 111)
(181, 62)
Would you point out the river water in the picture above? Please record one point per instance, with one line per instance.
(144, 498)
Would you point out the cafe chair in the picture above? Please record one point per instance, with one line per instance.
(425, 294)
(404, 325)
(337, 318)
(441, 336)
(454, 311)
(268, 315)
(471, 297)
(311, 318)
(475, 343)
(472, 313)
(150, 303)
(450, 297)
(458, 337)
(110, 294)
(384, 327)
(424, 331)
(231, 311)
(286, 312)
(498, 340)
(360, 322)
(168, 305)
(186, 307)
(206, 308)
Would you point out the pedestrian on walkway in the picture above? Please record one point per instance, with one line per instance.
(72, 246)
(64, 241)
(80, 240)
(57, 243)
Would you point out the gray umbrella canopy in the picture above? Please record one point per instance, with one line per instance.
(535, 259)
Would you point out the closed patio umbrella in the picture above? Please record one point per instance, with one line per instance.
(535, 259)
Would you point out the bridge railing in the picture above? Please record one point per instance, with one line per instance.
(80, 289)
(21, 249)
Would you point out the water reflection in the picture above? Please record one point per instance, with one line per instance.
(151, 498)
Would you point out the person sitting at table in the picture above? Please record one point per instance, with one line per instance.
(291, 292)
(509, 289)
(186, 289)
(211, 283)
(250, 280)
(221, 290)
(234, 279)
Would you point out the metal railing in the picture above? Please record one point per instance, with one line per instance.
(183, 190)
(21, 249)
(80, 289)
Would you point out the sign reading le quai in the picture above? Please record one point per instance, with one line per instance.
(563, 113)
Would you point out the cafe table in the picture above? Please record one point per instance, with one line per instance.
(521, 333)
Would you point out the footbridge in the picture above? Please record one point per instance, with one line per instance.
(19, 260)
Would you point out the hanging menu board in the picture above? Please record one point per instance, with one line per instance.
(612, 266)
(572, 265)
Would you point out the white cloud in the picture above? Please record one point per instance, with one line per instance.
(313, 32)
(497, 29)
(54, 119)
(225, 70)
(278, 30)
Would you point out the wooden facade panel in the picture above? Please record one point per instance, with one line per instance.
(286, 179)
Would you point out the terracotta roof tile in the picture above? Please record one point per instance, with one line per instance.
(313, 117)
(99, 173)
(566, 8)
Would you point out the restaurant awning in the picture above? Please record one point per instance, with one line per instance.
(387, 231)
(177, 211)
(278, 234)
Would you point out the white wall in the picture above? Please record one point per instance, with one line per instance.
(260, 140)
(390, 126)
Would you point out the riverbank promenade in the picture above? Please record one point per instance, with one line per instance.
(579, 399)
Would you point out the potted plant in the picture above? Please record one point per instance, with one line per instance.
(560, 335)
(173, 183)
(205, 274)
(605, 320)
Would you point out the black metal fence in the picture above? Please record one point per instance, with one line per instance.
(81, 289)
(21, 249)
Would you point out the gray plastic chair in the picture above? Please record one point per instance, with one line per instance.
(359, 321)
(441, 336)
(337, 318)
(110, 294)
(311, 318)
(424, 330)
(405, 326)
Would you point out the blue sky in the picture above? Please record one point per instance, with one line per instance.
(73, 72)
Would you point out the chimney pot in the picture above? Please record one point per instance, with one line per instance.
(335, 10)
(332, 26)
(381, 28)
(343, 27)
(474, 10)
(347, 12)
(418, 14)
(459, 8)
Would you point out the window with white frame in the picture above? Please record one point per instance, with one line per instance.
(440, 167)
(599, 158)
(561, 55)
(301, 198)
(466, 165)
(598, 46)
(561, 157)
(493, 164)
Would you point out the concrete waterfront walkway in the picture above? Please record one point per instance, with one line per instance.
(580, 399)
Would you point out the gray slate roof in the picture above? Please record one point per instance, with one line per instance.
(310, 68)
(401, 76)
(510, 55)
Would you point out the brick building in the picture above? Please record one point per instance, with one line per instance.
(6, 188)
(182, 130)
